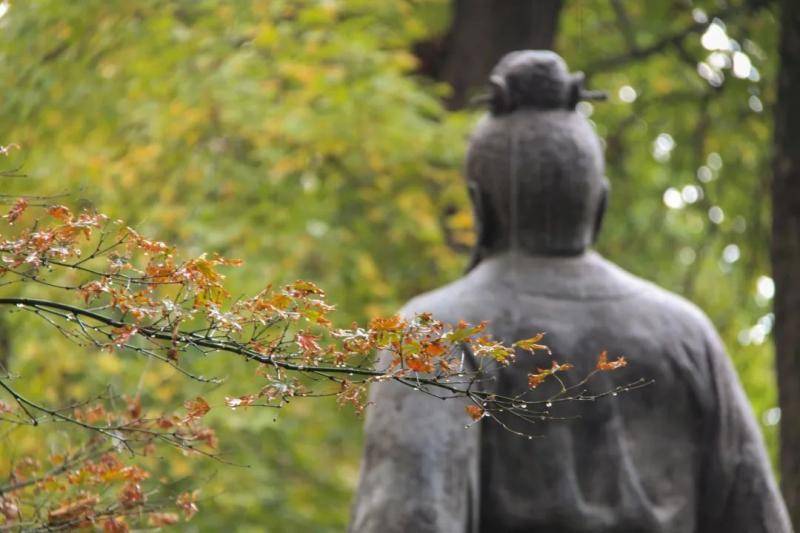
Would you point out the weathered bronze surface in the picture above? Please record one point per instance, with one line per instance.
(681, 455)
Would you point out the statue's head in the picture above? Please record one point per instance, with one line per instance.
(534, 165)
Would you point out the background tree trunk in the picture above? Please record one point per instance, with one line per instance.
(482, 32)
(786, 252)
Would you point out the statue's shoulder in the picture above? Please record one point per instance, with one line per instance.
(672, 308)
(458, 300)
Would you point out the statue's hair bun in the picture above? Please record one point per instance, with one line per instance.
(535, 79)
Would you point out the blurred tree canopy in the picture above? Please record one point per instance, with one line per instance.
(299, 135)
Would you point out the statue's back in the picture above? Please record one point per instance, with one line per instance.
(682, 454)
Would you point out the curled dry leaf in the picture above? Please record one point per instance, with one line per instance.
(162, 519)
(604, 364)
(74, 511)
(115, 524)
(537, 378)
(187, 502)
(532, 344)
(16, 210)
(196, 408)
(60, 212)
(308, 343)
(241, 401)
(475, 412)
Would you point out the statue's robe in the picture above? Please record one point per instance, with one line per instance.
(682, 455)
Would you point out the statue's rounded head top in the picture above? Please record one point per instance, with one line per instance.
(535, 165)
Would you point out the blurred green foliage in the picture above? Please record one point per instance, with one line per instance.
(689, 159)
(295, 135)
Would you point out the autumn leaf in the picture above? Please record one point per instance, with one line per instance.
(9, 507)
(308, 342)
(131, 495)
(279, 302)
(93, 289)
(166, 422)
(604, 364)
(531, 344)
(116, 524)
(435, 349)
(556, 367)
(541, 374)
(187, 503)
(94, 414)
(155, 247)
(534, 380)
(418, 364)
(134, 406)
(60, 212)
(196, 408)
(123, 334)
(73, 510)
(390, 324)
(495, 350)
(241, 401)
(162, 519)
(134, 473)
(463, 331)
(16, 210)
(475, 412)
(206, 435)
(301, 288)
(225, 261)
(352, 393)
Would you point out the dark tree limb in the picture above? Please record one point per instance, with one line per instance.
(481, 33)
(624, 24)
(786, 252)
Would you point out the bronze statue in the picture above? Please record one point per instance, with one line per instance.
(681, 455)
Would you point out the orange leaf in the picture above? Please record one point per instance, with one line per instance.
(74, 510)
(60, 212)
(98, 412)
(9, 508)
(196, 408)
(162, 519)
(187, 502)
(206, 435)
(131, 495)
(560, 368)
(435, 349)
(16, 210)
(116, 524)
(604, 364)
(474, 412)
(302, 288)
(534, 380)
(531, 344)
(92, 289)
(123, 334)
(241, 401)
(307, 342)
(134, 407)
(392, 323)
(419, 365)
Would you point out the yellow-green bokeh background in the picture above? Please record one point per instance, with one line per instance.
(294, 134)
